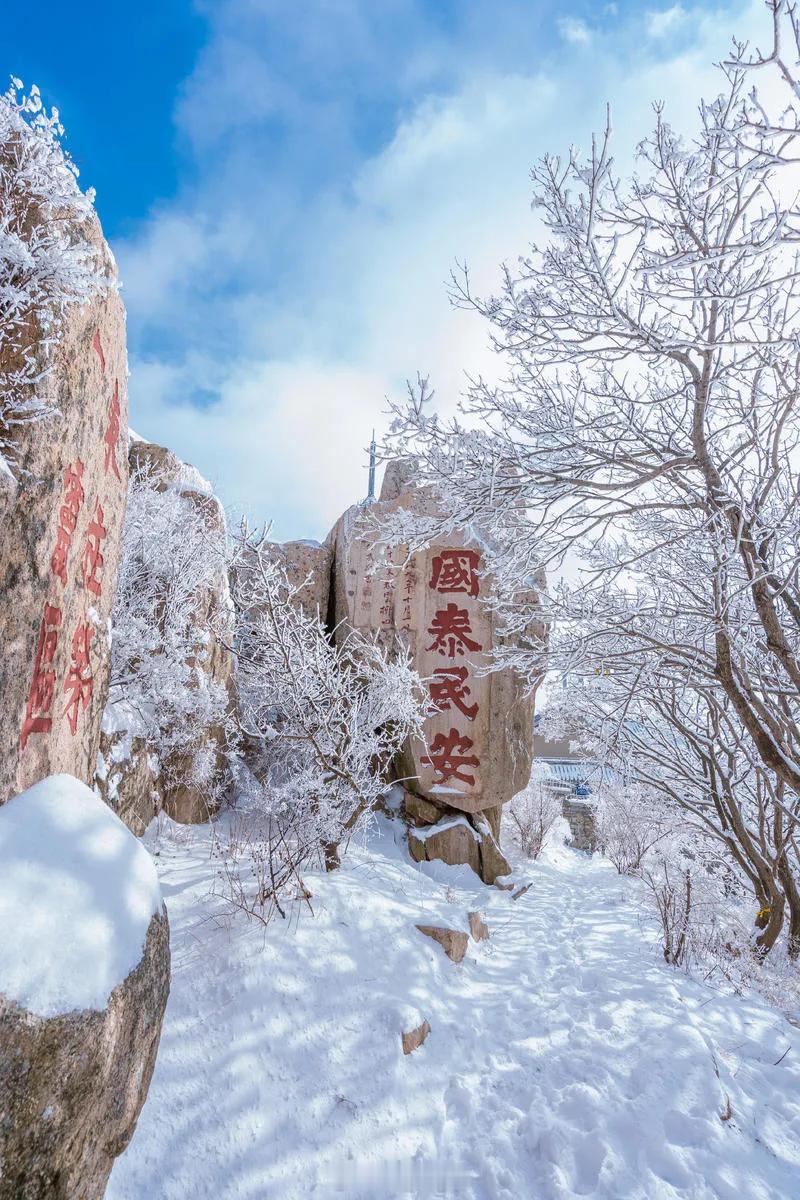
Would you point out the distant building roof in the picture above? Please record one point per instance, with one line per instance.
(566, 770)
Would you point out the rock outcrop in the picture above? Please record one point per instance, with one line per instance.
(84, 981)
(60, 533)
(131, 777)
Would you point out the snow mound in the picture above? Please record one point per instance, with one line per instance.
(77, 893)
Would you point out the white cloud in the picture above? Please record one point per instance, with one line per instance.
(574, 30)
(339, 302)
(665, 20)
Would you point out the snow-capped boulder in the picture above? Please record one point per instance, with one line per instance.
(60, 528)
(84, 980)
(453, 841)
(413, 1038)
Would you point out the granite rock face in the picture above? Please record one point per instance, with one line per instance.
(72, 1086)
(308, 568)
(60, 538)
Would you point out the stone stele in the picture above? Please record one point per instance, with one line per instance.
(60, 536)
(479, 735)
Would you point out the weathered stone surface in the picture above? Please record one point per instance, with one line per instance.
(415, 1037)
(60, 530)
(419, 811)
(72, 1087)
(453, 841)
(308, 567)
(127, 779)
(580, 817)
(493, 861)
(453, 941)
(416, 847)
(478, 927)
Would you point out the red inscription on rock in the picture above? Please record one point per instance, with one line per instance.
(450, 690)
(39, 708)
(98, 346)
(450, 631)
(79, 683)
(112, 434)
(67, 519)
(449, 755)
(92, 560)
(455, 571)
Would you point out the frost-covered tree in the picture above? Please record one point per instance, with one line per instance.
(46, 260)
(682, 752)
(532, 813)
(322, 718)
(647, 427)
(173, 562)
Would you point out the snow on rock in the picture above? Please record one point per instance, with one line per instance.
(77, 894)
(565, 1059)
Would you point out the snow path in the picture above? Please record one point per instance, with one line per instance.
(565, 1060)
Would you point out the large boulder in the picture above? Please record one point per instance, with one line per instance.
(84, 980)
(60, 528)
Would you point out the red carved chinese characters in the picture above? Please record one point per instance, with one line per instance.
(92, 560)
(455, 571)
(98, 346)
(39, 708)
(79, 683)
(448, 756)
(112, 434)
(67, 519)
(452, 754)
(450, 631)
(450, 690)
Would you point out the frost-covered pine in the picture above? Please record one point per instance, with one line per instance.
(46, 262)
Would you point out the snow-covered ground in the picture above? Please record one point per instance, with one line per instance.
(564, 1060)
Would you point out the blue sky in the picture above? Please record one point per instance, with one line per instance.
(286, 186)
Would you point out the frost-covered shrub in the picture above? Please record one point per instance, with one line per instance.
(321, 720)
(46, 262)
(533, 811)
(161, 689)
(698, 900)
(630, 821)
